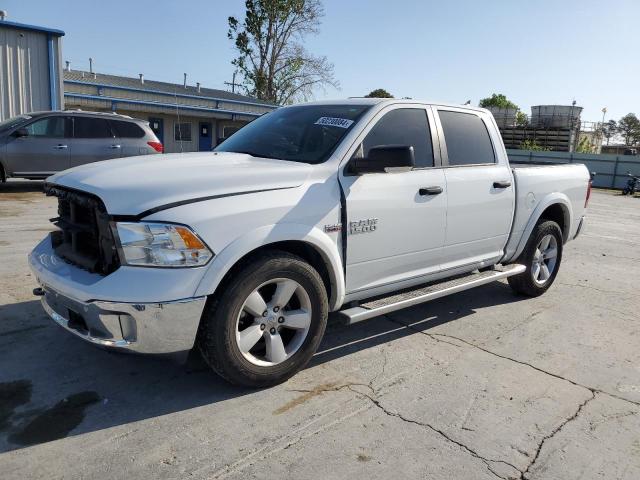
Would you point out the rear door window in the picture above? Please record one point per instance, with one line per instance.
(403, 126)
(127, 129)
(87, 127)
(467, 138)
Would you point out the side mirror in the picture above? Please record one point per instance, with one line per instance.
(382, 157)
(20, 132)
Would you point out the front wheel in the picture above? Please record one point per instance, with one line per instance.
(267, 323)
(542, 256)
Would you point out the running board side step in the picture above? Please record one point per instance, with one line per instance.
(427, 293)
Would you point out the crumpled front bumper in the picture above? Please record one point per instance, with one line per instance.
(156, 328)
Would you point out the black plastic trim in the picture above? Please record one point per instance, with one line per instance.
(167, 206)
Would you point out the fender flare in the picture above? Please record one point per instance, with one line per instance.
(556, 198)
(268, 234)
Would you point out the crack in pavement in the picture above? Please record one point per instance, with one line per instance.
(374, 398)
(523, 473)
(487, 461)
(590, 287)
(549, 436)
(515, 360)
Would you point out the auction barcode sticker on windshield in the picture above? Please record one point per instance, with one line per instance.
(334, 122)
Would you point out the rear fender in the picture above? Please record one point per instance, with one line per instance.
(546, 202)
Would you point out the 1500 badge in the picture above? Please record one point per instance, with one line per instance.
(363, 226)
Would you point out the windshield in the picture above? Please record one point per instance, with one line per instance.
(306, 133)
(13, 121)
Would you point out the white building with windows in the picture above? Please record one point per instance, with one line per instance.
(185, 118)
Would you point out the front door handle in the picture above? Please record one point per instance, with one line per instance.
(114, 146)
(435, 190)
(60, 147)
(502, 184)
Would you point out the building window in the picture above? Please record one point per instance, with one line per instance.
(182, 132)
(227, 131)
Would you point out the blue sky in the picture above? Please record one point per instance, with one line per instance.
(535, 52)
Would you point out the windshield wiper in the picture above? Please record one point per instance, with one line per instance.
(257, 155)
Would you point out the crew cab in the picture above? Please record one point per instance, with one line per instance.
(361, 207)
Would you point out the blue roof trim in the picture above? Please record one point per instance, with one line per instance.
(169, 94)
(160, 104)
(33, 28)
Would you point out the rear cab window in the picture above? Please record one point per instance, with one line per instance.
(467, 138)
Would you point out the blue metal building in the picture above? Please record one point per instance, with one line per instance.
(30, 69)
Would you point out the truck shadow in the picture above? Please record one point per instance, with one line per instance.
(53, 385)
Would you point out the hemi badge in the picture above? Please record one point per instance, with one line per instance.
(336, 227)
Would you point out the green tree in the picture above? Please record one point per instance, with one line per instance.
(497, 100)
(273, 62)
(629, 128)
(534, 146)
(521, 119)
(379, 93)
(584, 145)
(609, 130)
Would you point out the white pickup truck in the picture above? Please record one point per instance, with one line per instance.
(362, 206)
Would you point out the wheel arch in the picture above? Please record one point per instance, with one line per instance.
(556, 207)
(314, 246)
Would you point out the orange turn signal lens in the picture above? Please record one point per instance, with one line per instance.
(189, 238)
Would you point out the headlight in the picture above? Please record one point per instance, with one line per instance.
(161, 245)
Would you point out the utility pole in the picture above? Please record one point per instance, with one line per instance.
(604, 112)
(233, 83)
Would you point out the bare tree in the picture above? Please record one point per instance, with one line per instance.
(271, 57)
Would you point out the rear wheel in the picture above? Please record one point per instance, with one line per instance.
(267, 323)
(542, 256)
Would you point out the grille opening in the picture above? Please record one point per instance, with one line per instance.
(85, 238)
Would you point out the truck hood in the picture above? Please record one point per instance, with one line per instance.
(134, 185)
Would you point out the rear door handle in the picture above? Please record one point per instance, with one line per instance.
(115, 146)
(502, 184)
(435, 190)
(60, 147)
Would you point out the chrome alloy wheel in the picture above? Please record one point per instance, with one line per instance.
(273, 322)
(544, 259)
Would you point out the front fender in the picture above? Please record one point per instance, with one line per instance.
(546, 202)
(263, 236)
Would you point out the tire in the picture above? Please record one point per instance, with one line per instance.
(285, 339)
(532, 281)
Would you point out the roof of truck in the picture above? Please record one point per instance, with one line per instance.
(376, 101)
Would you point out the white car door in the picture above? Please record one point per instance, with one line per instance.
(395, 220)
(480, 191)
